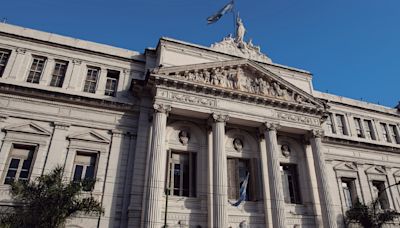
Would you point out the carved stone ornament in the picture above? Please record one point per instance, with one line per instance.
(317, 133)
(237, 46)
(240, 78)
(162, 108)
(238, 144)
(220, 117)
(271, 126)
(184, 137)
(285, 150)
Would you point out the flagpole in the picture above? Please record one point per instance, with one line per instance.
(234, 18)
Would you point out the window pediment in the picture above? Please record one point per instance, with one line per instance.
(377, 170)
(239, 78)
(346, 166)
(90, 136)
(28, 128)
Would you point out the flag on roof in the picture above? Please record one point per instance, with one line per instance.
(226, 9)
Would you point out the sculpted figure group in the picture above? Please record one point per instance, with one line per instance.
(234, 78)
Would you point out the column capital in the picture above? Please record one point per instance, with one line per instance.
(269, 126)
(61, 125)
(317, 133)
(219, 117)
(162, 108)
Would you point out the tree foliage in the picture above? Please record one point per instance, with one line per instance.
(48, 201)
(369, 216)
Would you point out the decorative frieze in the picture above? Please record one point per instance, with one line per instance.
(191, 99)
(299, 118)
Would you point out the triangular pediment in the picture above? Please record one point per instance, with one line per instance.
(346, 166)
(376, 170)
(90, 136)
(29, 128)
(243, 77)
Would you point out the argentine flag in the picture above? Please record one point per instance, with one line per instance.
(214, 18)
(243, 190)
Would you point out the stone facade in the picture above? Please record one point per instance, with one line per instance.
(190, 120)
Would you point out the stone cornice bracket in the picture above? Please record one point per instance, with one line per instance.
(162, 108)
(271, 126)
(61, 125)
(219, 117)
(317, 133)
(76, 61)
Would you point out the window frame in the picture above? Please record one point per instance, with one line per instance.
(113, 76)
(192, 158)
(34, 79)
(32, 148)
(294, 196)
(89, 82)
(4, 52)
(352, 189)
(57, 79)
(369, 129)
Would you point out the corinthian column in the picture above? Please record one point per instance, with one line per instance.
(322, 180)
(156, 168)
(220, 171)
(276, 189)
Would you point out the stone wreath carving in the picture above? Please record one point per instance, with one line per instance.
(238, 144)
(235, 78)
(285, 150)
(184, 137)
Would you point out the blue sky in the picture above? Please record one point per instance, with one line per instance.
(352, 47)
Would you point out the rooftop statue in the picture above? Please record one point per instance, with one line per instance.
(239, 47)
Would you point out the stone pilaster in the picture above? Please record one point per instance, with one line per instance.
(277, 197)
(220, 171)
(3, 118)
(57, 150)
(156, 178)
(322, 179)
(17, 63)
(75, 75)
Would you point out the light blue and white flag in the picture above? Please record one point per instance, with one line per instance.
(243, 190)
(214, 18)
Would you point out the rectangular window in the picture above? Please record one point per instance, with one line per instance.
(394, 134)
(60, 68)
(20, 161)
(84, 166)
(357, 122)
(182, 174)
(340, 124)
(349, 192)
(290, 184)
(329, 124)
(4, 56)
(379, 192)
(36, 70)
(112, 83)
(91, 79)
(385, 132)
(369, 134)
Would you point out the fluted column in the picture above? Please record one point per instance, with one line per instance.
(156, 168)
(220, 171)
(322, 179)
(276, 189)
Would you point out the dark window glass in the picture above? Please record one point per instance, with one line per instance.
(91, 80)
(290, 183)
(60, 68)
(182, 174)
(19, 163)
(4, 56)
(112, 83)
(36, 69)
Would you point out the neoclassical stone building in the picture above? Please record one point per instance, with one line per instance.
(194, 120)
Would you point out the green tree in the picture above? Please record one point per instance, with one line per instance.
(369, 216)
(48, 201)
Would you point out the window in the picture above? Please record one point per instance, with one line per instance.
(60, 68)
(290, 183)
(329, 123)
(357, 122)
(369, 134)
(349, 192)
(85, 168)
(378, 191)
(182, 174)
(394, 134)
(20, 162)
(112, 83)
(340, 124)
(91, 79)
(4, 56)
(385, 132)
(36, 69)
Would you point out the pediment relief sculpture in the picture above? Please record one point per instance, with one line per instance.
(241, 76)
